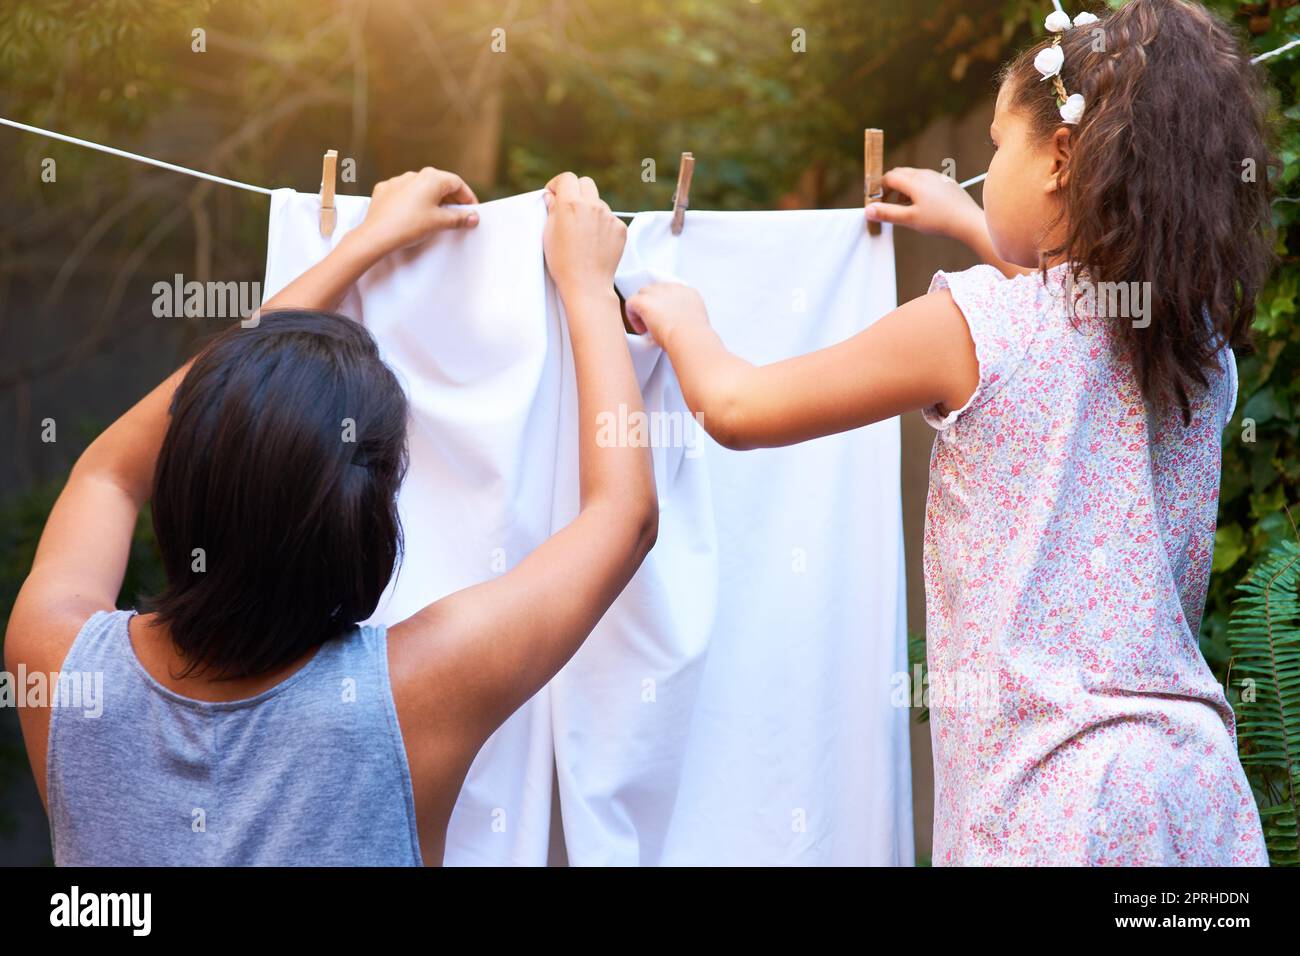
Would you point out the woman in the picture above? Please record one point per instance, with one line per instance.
(247, 718)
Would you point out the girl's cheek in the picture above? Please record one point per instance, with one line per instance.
(1003, 191)
(992, 192)
(995, 209)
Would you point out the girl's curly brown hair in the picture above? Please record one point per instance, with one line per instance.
(1157, 186)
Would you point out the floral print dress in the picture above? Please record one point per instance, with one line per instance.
(1067, 551)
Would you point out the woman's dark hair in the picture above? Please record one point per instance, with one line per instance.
(275, 494)
(1159, 187)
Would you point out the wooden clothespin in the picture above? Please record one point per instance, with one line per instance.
(873, 166)
(327, 175)
(682, 197)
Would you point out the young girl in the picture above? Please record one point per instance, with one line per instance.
(1074, 479)
(247, 719)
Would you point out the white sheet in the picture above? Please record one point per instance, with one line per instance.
(795, 754)
(729, 708)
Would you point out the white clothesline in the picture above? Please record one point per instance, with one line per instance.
(1272, 53)
(199, 174)
(136, 156)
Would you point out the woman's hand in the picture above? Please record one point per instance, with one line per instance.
(583, 240)
(939, 206)
(403, 210)
(407, 208)
(661, 307)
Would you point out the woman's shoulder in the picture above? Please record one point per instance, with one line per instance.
(362, 648)
(84, 644)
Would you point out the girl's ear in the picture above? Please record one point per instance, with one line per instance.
(1058, 150)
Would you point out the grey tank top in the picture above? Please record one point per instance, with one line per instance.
(310, 772)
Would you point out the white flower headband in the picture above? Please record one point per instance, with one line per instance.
(1050, 60)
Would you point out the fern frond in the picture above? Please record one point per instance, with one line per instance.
(1264, 634)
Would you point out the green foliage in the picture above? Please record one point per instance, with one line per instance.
(656, 77)
(1264, 635)
(594, 87)
(1259, 637)
(1261, 447)
(94, 65)
(917, 665)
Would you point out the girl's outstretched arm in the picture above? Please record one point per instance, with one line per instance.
(920, 354)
